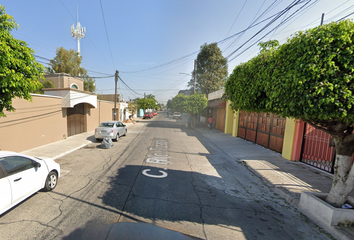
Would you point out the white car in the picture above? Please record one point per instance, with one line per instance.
(111, 129)
(177, 115)
(22, 175)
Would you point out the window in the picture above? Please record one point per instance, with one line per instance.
(15, 164)
(107, 125)
(74, 86)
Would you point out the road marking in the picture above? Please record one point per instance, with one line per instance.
(164, 174)
(157, 161)
(158, 156)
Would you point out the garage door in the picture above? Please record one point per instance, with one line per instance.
(76, 119)
(220, 121)
(265, 129)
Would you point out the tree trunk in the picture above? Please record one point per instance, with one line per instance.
(343, 179)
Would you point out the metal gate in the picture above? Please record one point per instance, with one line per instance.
(317, 149)
(265, 129)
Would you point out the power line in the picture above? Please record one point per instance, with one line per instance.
(236, 18)
(166, 64)
(345, 17)
(177, 60)
(92, 77)
(281, 23)
(128, 86)
(105, 26)
(48, 63)
(252, 24)
(294, 3)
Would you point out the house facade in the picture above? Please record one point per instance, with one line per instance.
(59, 113)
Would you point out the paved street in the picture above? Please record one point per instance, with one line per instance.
(163, 174)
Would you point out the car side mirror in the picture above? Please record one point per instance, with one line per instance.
(123, 125)
(37, 164)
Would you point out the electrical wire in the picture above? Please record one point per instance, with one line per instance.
(193, 54)
(128, 86)
(48, 63)
(251, 24)
(236, 18)
(345, 17)
(105, 26)
(262, 29)
(229, 60)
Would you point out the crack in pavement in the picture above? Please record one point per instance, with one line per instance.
(33, 221)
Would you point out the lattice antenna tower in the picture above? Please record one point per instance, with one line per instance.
(78, 32)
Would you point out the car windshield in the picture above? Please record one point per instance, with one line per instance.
(106, 125)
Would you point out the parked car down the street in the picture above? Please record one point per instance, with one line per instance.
(177, 115)
(111, 129)
(22, 175)
(147, 115)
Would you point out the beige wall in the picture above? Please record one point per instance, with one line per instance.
(108, 97)
(95, 116)
(63, 80)
(68, 81)
(44, 121)
(33, 124)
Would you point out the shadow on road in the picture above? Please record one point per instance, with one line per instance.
(233, 203)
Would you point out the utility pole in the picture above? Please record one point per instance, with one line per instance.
(195, 75)
(115, 95)
(322, 18)
(144, 102)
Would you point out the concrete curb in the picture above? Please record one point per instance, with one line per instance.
(70, 151)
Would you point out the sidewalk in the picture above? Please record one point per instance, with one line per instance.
(287, 178)
(60, 148)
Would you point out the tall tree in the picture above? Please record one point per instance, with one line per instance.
(192, 104)
(211, 69)
(308, 78)
(179, 102)
(195, 104)
(146, 103)
(69, 61)
(19, 71)
(89, 84)
(45, 84)
(151, 96)
(169, 104)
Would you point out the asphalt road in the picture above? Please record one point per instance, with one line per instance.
(163, 174)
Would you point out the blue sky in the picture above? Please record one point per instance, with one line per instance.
(150, 42)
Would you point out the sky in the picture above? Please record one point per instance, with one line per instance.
(153, 43)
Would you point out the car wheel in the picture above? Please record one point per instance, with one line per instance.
(51, 182)
(125, 132)
(117, 137)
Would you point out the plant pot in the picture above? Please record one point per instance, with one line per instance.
(315, 207)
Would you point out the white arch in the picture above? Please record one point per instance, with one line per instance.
(74, 86)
